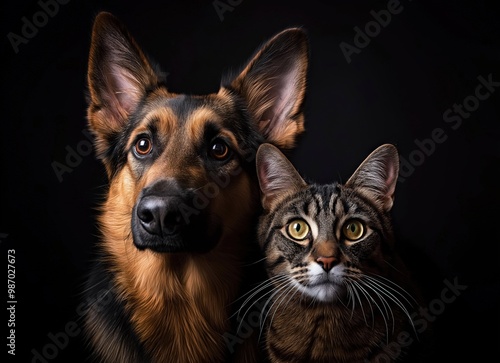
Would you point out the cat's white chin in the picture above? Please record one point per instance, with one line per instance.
(326, 292)
(323, 286)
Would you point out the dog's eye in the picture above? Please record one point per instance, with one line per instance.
(143, 146)
(219, 150)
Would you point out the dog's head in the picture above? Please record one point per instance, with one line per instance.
(181, 167)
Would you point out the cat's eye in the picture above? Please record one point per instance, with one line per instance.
(143, 146)
(298, 229)
(353, 229)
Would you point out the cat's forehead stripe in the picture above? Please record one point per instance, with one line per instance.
(333, 202)
(308, 206)
(326, 196)
(312, 207)
(346, 206)
(319, 201)
(338, 206)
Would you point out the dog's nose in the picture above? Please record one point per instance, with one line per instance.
(160, 216)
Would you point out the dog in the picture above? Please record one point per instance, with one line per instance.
(177, 221)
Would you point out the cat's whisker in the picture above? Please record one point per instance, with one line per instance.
(339, 298)
(394, 287)
(273, 301)
(265, 309)
(384, 289)
(281, 287)
(392, 266)
(255, 262)
(242, 317)
(355, 286)
(261, 287)
(350, 294)
(279, 284)
(387, 309)
(380, 295)
(280, 299)
(378, 285)
(403, 309)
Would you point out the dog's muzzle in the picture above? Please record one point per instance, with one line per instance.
(160, 216)
(164, 219)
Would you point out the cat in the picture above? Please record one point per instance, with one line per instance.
(339, 291)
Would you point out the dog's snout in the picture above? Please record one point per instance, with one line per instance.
(160, 216)
(165, 219)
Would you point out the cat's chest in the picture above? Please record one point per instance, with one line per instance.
(313, 323)
(322, 334)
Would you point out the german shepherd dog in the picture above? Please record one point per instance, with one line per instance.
(181, 205)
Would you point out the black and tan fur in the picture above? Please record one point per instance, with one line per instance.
(177, 221)
(340, 293)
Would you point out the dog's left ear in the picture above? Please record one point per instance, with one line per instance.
(273, 84)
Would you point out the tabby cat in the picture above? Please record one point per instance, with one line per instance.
(339, 291)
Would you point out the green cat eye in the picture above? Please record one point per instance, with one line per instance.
(298, 229)
(353, 229)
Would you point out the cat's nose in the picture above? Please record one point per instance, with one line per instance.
(326, 262)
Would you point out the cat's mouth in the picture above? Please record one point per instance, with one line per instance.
(326, 292)
(325, 283)
(326, 287)
(334, 282)
(319, 277)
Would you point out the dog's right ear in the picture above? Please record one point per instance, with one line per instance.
(273, 84)
(119, 75)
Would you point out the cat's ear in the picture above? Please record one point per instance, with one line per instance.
(273, 83)
(119, 75)
(377, 176)
(277, 176)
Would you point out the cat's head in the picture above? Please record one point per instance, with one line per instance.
(323, 239)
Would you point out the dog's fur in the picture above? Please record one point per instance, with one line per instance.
(169, 286)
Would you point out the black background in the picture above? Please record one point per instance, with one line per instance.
(427, 58)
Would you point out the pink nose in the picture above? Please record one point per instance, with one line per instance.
(326, 262)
